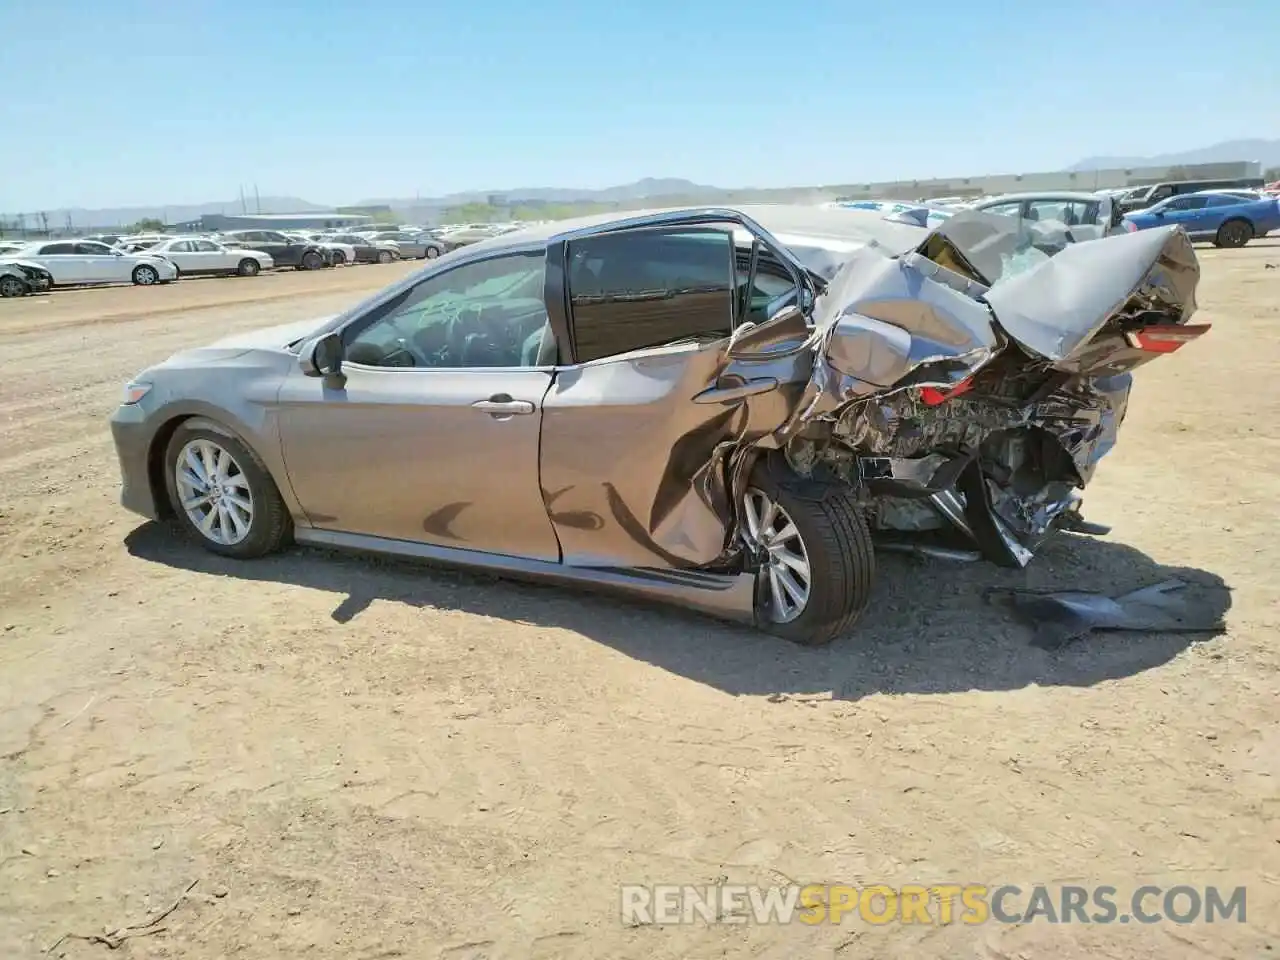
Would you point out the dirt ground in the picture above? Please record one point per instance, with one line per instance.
(360, 759)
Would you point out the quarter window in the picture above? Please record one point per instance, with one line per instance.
(646, 288)
(490, 313)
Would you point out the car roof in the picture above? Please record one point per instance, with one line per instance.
(789, 223)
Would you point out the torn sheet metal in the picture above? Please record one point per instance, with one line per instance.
(1058, 617)
(1056, 308)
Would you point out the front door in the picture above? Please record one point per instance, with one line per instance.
(433, 434)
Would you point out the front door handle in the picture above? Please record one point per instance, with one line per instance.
(501, 405)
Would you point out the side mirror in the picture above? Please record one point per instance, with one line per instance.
(322, 357)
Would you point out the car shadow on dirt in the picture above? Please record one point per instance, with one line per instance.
(928, 629)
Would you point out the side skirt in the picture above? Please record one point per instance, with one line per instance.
(727, 596)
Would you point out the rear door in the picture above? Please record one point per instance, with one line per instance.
(634, 432)
(182, 253)
(61, 260)
(213, 257)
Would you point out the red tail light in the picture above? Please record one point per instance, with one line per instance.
(932, 396)
(1165, 339)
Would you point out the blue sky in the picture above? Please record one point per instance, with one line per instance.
(162, 101)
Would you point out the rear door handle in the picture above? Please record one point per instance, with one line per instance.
(731, 392)
(501, 405)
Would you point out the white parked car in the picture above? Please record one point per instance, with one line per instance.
(88, 261)
(340, 253)
(1081, 216)
(196, 256)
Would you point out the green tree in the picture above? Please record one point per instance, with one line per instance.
(147, 225)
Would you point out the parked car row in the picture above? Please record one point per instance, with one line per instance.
(146, 259)
(1225, 216)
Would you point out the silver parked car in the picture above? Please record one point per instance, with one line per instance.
(1074, 216)
(717, 407)
(415, 245)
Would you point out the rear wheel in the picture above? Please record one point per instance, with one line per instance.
(312, 260)
(815, 558)
(384, 256)
(249, 267)
(1234, 233)
(432, 253)
(222, 494)
(12, 287)
(145, 276)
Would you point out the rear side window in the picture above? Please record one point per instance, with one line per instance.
(54, 249)
(646, 288)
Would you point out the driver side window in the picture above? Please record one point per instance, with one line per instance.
(490, 313)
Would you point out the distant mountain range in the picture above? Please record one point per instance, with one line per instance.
(640, 190)
(673, 188)
(1266, 152)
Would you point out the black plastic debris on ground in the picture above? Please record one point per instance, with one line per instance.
(1060, 616)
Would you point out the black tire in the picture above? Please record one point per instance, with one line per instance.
(841, 556)
(270, 526)
(1234, 233)
(145, 275)
(432, 253)
(385, 256)
(339, 258)
(249, 267)
(312, 261)
(13, 287)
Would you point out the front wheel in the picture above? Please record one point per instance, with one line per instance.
(222, 494)
(384, 256)
(145, 276)
(312, 261)
(1233, 233)
(432, 253)
(12, 287)
(339, 258)
(814, 556)
(248, 267)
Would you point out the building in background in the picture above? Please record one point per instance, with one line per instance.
(1086, 181)
(217, 222)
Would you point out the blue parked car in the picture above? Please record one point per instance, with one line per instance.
(1228, 219)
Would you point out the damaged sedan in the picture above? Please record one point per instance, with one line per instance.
(729, 409)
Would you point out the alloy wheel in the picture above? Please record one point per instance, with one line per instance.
(773, 536)
(12, 287)
(213, 492)
(145, 276)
